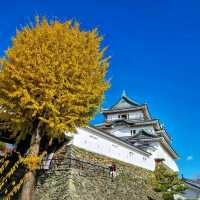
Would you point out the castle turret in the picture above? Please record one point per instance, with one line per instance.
(126, 108)
(132, 122)
(127, 117)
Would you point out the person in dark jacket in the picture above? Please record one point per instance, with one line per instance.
(113, 170)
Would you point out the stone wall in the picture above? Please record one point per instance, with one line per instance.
(89, 179)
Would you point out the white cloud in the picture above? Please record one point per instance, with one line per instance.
(189, 158)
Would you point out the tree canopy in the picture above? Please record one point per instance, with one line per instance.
(53, 74)
(167, 182)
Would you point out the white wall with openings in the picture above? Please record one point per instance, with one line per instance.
(111, 147)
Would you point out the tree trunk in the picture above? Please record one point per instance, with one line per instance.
(30, 177)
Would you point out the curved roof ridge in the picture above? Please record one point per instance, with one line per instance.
(124, 102)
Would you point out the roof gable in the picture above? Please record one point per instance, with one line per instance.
(124, 103)
(142, 134)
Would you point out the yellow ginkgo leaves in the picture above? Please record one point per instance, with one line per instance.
(55, 73)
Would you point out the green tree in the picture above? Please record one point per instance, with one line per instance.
(167, 182)
(52, 81)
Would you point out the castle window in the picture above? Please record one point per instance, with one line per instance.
(123, 116)
(133, 132)
(131, 155)
(144, 158)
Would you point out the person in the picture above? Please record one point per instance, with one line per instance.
(113, 170)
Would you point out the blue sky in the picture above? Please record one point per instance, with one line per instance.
(155, 49)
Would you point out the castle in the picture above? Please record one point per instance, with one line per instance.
(129, 134)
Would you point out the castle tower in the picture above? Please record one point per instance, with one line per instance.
(132, 122)
(127, 118)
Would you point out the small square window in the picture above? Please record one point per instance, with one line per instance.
(133, 132)
(123, 116)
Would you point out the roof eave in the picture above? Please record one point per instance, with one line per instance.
(170, 149)
(107, 111)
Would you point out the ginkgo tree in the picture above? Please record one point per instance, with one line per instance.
(52, 81)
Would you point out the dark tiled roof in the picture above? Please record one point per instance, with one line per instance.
(142, 134)
(142, 137)
(192, 183)
(126, 121)
(124, 102)
(143, 145)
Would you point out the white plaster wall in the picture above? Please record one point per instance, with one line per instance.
(112, 117)
(100, 144)
(132, 115)
(136, 115)
(160, 152)
(104, 145)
